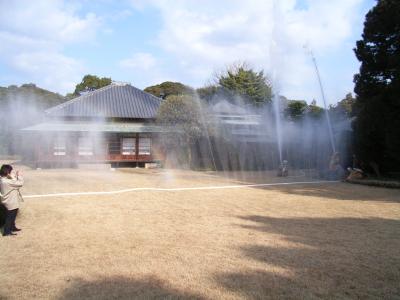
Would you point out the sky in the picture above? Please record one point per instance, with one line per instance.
(54, 43)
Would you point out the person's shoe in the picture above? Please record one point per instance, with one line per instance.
(16, 229)
(11, 233)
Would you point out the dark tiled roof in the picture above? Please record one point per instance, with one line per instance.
(112, 101)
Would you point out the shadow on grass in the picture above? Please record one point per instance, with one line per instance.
(259, 284)
(339, 191)
(313, 188)
(121, 287)
(320, 258)
(326, 232)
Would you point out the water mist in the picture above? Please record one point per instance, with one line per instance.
(275, 64)
(328, 119)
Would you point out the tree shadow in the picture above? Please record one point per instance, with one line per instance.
(119, 287)
(339, 191)
(293, 185)
(326, 232)
(260, 284)
(320, 258)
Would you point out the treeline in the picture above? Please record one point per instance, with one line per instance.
(23, 106)
(20, 107)
(374, 112)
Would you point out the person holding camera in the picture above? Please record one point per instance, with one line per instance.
(10, 196)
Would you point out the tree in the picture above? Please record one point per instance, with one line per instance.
(295, 110)
(208, 92)
(343, 109)
(182, 112)
(21, 107)
(252, 86)
(169, 88)
(314, 111)
(90, 83)
(377, 87)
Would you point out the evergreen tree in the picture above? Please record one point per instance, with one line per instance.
(252, 86)
(377, 86)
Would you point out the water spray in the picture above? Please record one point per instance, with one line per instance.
(275, 89)
(205, 125)
(328, 119)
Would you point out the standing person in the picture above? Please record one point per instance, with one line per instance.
(10, 197)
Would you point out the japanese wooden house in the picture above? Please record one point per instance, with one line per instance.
(114, 124)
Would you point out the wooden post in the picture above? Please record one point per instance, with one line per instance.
(137, 146)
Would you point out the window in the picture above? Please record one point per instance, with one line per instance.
(144, 146)
(128, 146)
(85, 146)
(60, 147)
(114, 145)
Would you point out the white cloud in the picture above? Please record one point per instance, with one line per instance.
(50, 20)
(139, 61)
(33, 35)
(198, 39)
(144, 69)
(208, 35)
(52, 69)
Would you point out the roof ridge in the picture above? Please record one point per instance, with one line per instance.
(62, 105)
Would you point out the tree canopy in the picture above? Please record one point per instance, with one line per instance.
(315, 111)
(251, 85)
(207, 92)
(343, 109)
(21, 107)
(169, 88)
(29, 92)
(183, 112)
(90, 83)
(377, 86)
(295, 109)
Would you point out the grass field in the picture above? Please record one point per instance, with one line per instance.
(304, 241)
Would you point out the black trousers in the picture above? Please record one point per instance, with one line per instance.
(9, 225)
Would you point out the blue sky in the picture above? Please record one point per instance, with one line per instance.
(53, 43)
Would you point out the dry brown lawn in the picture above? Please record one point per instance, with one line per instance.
(333, 240)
